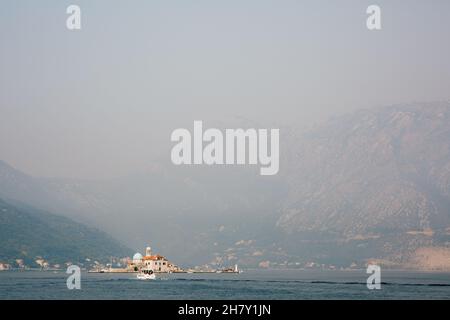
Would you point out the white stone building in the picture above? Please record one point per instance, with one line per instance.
(157, 263)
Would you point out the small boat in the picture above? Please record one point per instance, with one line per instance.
(146, 274)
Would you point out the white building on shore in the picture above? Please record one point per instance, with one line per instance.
(4, 266)
(157, 263)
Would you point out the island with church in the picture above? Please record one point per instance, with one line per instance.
(155, 262)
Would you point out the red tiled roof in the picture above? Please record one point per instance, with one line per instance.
(155, 257)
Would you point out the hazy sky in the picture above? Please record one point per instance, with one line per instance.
(102, 101)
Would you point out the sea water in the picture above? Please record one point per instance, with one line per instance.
(252, 284)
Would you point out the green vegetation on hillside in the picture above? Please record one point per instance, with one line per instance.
(27, 233)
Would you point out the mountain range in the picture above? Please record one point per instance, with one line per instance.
(379, 179)
(373, 185)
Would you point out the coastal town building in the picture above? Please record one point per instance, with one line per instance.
(4, 266)
(155, 262)
(20, 263)
(42, 263)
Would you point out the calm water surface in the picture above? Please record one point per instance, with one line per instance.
(248, 285)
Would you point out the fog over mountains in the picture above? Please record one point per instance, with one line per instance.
(372, 185)
(379, 179)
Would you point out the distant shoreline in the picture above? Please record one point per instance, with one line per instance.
(232, 272)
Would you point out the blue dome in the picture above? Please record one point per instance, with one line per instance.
(137, 256)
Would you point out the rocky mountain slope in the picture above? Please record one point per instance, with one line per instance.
(378, 176)
(373, 185)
